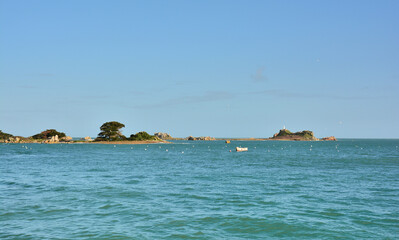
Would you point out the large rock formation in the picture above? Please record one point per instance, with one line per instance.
(12, 140)
(285, 134)
(88, 139)
(191, 138)
(163, 136)
(53, 139)
(66, 139)
(332, 138)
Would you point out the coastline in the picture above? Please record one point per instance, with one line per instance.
(125, 142)
(103, 142)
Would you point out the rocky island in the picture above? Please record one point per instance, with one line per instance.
(191, 138)
(306, 135)
(47, 136)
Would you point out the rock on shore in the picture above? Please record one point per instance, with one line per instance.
(163, 136)
(332, 138)
(191, 138)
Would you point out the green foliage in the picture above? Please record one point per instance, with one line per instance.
(141, 136)
(305, 134)
(284, 132)
(5, 136)
(48, 134)
(110, 131)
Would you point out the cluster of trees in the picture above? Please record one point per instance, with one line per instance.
(142, 136)
(110, 131)
(48, 134)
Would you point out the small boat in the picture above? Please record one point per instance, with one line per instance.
(227, 141)
(241, 149)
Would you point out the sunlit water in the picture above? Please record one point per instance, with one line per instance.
(347, 189)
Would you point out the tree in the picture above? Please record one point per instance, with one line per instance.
(141, 136)
(48, 134)
(110, 131)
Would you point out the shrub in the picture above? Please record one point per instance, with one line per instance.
(48, 134)
(141, 136)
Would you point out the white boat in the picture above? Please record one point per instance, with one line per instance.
(241, 149)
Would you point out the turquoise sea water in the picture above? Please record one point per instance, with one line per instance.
(347, 189)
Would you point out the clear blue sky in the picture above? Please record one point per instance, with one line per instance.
(218, 68)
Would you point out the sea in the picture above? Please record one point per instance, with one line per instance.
(348, 189)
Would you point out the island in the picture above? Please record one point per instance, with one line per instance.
(306, 135)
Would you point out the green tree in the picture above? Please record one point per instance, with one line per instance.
(110, 131)
(48, 134)
(141, 136)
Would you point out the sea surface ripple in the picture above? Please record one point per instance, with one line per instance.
(347, 189)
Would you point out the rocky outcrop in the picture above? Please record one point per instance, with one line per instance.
(332, 138)
(5, 136)
(87, 139)
(285, 134)
(12, 140)
(163, 136)
(53, 139)
(191, 138)
(66, 139)
(207, 138)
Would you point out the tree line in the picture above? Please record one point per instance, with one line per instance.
(110, 131)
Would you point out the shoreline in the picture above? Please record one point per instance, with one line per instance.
(104, 142)
(126, 142)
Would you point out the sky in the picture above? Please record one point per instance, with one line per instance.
(201, 68)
